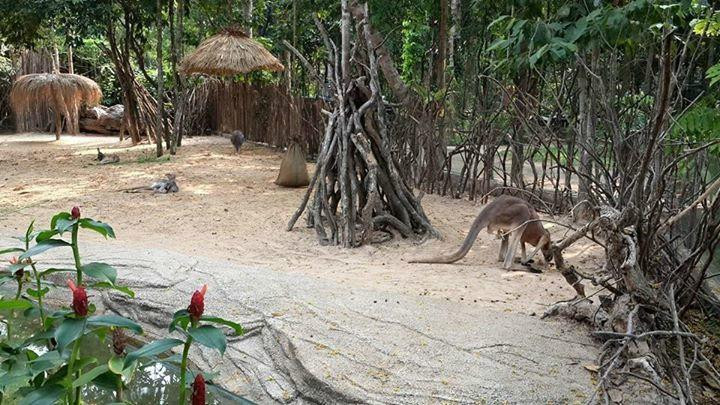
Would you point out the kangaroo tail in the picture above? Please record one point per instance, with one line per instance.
(480, 222)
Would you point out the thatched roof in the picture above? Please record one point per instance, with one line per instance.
(229, 53)
(64, 93)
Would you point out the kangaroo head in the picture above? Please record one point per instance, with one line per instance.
(546, 247)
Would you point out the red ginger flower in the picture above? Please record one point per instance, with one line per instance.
(80, 299)
(75, 212)
(198, 393)
(197, 304)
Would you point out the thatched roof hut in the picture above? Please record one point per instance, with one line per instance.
(65, 94)
(229, 53)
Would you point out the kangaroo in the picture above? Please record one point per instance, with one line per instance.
(107, 159)
(504, 215)
(162, 186)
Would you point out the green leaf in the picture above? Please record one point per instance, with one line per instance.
(713, 73)
(13, 381)
(102, 271)
(84, 362)
(61, 313)
(537, 55)
(97, 226)
(107, 381)
(63, 225)
(43, 246)
(60, 215)
(116, 365)
(54, 270)
(29, 232)
(11, 250)
(46, 362)
(47, 395)
(114, 320)
(122, 289)
(235, 326)
(152, 349)
(46, 335)
(497, 21)
(210, 336)
(499, 44)
(69, 331)
(15, 304)
(181, 317)
(129, 372)
(37, 294)
(89, 376)
(45, 235)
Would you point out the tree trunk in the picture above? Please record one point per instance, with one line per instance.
(70, 64)
(385, 62)
(159, 127)
(247, 16)
(178, 126)
(56, 59)
(140, 107)
(586, 130)
(441, 57)
(454, 37)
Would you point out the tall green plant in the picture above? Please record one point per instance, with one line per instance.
(49, 366)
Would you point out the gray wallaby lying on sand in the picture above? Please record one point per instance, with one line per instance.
(504, 215)
(105, 159)
(162, 186)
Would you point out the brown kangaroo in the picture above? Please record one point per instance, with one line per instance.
(504, 215)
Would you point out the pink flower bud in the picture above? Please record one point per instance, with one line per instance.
(75, 212)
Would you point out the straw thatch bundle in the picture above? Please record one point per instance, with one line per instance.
(65, 94)
(229, 53)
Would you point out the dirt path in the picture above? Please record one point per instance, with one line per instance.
(229, 208)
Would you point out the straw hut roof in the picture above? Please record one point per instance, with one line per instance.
(49, 88)
(229, 53)
(64, 93)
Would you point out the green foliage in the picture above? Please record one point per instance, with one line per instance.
(713, 74)
(700, 123)
(29, 377)
(415, 36)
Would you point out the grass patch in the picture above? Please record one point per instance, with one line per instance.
(153, 159)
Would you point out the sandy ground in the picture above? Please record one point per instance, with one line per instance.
(229, 208)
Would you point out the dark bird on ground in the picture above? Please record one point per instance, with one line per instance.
(237, 138)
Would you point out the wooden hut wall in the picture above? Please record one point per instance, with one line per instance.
(265, 114)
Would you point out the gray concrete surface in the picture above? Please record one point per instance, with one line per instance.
(314, 341)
